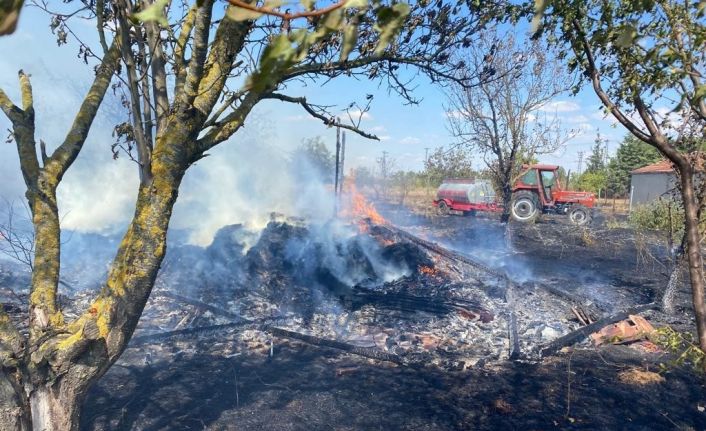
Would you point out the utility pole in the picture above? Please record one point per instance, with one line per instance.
(383, 173)
(343, 159)
(336, 173)
(580, 162)
(426, 170)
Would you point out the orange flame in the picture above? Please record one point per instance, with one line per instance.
(359, 207)
(427, 270)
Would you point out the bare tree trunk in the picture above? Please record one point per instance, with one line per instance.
(507, 200)
(55, 408)
(695, 258)
(673, 284)
(14, 409)
(47, 405)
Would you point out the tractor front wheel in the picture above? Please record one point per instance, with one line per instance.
(524, 206)
(580, 215)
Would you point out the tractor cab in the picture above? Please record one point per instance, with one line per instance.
(537, 190)
(544, 178)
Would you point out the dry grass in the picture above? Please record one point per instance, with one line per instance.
(419, 200)
(639, 377)
(613, 206)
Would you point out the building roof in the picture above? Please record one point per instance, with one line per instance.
(661, 167)
(544, 167)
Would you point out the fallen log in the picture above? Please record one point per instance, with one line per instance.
(576, 299)
(279, 332)
(196, 303)
(513, 337)
(334, 344)
(451, 254)
(411, 303)
(153, 338)
(583, 332)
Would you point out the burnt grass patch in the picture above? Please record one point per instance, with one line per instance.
(216, 381)
(305, 388)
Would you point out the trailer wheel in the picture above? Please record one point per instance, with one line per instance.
(469, 213)
(580, 215)
(524, 207)
(443, 208)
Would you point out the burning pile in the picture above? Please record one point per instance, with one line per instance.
(356, 207)
(371, 286)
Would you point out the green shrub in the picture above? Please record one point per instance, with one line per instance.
(662, 215)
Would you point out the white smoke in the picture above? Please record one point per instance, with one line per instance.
(245, 180)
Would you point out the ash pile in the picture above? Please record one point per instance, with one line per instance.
(370, 289)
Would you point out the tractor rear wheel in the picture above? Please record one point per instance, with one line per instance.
(524, 206)
(443, 208)
(580, 215)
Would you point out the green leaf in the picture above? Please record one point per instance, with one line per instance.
(358, 4)
(307, 4)
(154, 12)
(350, 37)
(700, 93)
(701, 8)
(389, 23)
(626, 36)
(539, 7)
(272, 4)
(240, 14)
(333, 19)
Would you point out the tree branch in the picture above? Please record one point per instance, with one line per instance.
(64, 156)
(228, 42)
(285, 15)
(23, 130)
(199, 49)
(231, 123)
(159, 74)
(11, 342)
(328, 121)
(602, 95)
(180, 49)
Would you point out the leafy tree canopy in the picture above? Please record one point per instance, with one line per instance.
(632, 154)
(453, 163)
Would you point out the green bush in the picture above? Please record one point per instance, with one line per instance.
(656, 216)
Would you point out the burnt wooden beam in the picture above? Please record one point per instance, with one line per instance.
(578, 335)
(153, 338)
(196, 303)
(278, 332)
(454, 255)
(334, 344)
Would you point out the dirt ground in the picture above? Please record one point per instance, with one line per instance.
(194, 385)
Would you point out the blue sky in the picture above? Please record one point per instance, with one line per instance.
(107, 194)
(405, 130)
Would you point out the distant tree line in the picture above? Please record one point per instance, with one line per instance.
(610, 176)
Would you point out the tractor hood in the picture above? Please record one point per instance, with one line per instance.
(583, 198)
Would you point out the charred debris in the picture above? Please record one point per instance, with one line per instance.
(366, 288)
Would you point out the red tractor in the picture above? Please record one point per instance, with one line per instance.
(537, 190)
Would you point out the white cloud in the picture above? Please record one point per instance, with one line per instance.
(410, 140)
(560, 106)
(300, 117)
(455, 114)
(576, 119)
(357, 114)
